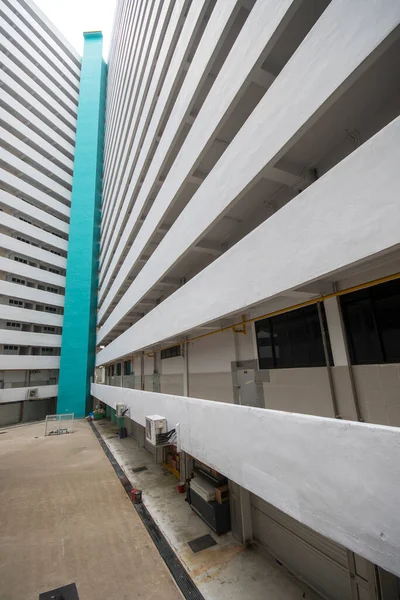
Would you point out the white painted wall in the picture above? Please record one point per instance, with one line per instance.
(334, 223)
(18, 394)
(338, 477)
(212, 354)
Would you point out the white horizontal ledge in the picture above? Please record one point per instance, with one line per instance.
(19, 394)
(26, 315)
(12, 362)
(20, 205)
(16, 290)
(336, 222)
(302, 93)
(235, 71)
(34, 232)
(43, 200)
(28, 272)
(61, 49)
(190, 25)
(32, 252)
(71, 82)
(29, 338)
(338, 477)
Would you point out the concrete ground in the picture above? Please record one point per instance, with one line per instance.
(227, 571)
(65, 517)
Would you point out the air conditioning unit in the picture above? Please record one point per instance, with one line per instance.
(155, 426)
(120, 410)
(32, 393)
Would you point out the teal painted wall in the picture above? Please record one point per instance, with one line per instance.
(79, 325)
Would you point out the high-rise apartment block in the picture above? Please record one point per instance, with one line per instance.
(244, 263)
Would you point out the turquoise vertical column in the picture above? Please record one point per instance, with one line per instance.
(79, 326)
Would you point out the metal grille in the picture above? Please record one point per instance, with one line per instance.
(202, 543)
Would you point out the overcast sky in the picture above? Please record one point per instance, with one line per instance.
(73, 17)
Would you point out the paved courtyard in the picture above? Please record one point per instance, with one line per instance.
(65, 518)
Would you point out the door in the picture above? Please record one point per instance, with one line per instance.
(247, 388)
(319, 562)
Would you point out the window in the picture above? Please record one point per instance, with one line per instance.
(50, 309)
(372, 321)
(15, 302)
(22, 240)
(17, 280)
(292, 340)
(171, 352)
(127, 367)
(52, 289)
(54, 252)
(119, 369)
(24, 220)
(47, 350)
(6, 347)
(21, 260)
(49, 329)
(112, 370)
(13, 325)
(56, 271)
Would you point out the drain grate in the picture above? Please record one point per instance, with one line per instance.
(139, 469)
(66, 592)
(182, 578)
(202, 543)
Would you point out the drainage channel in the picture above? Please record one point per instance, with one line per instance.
(177, 570)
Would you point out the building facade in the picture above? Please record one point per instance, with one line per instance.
(248, 280)
(249, 258)
(39, 102)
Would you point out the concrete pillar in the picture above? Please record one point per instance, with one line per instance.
(337, 334)
(78, 347)
(142, 371)
(241, 522)
(186, 388)
(342, 373)
(140, 435)
(156, 372)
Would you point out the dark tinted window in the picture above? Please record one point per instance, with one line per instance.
(127, 367)
(293, 339)
(171, 352)
(118, 369)
(372, 320)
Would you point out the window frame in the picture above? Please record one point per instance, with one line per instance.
(303, 315)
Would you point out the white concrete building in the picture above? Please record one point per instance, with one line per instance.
(250, 258)
(39, 97)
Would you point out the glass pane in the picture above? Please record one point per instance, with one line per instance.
(361, 331)
(315, 342)
(387, 315)
(264, 345)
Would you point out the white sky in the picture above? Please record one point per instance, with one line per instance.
(73, 17)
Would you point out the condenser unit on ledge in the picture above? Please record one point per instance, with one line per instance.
(156, 430)
(32, 394)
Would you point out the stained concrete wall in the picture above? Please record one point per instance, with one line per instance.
(9, 414)
(35, 410)
(378, 392)
(299, 390)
